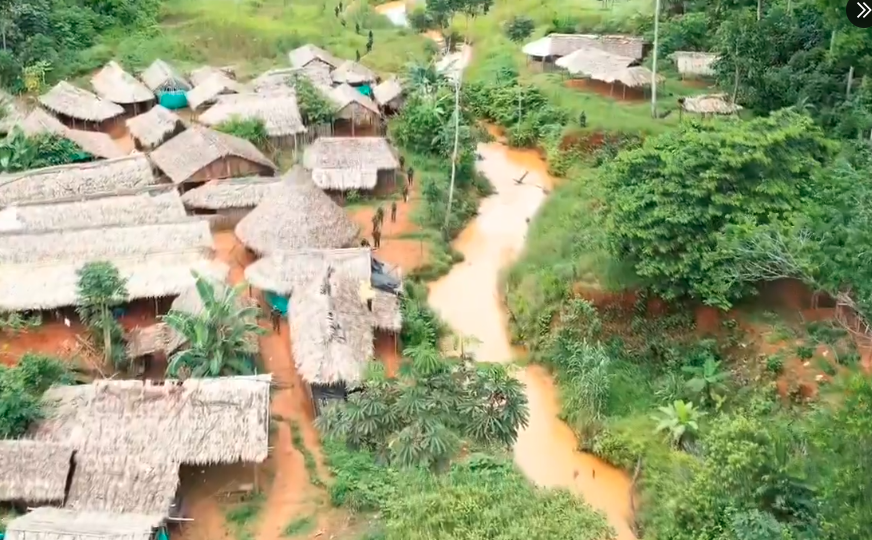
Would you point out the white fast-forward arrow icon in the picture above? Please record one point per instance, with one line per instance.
(864, 9)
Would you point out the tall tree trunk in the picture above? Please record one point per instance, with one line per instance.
(850, 82)
(759, 10)
(832, 42)
(107, 339)
(654, 59)
(454, 152)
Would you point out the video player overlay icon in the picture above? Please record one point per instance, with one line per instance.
(859, 13)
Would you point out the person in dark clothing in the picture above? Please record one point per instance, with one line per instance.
(376, 238)
(402, 162)
(336, 11)
(405, 193)
(393, 211)
(410, 175)
(364, 243)
(276, 317)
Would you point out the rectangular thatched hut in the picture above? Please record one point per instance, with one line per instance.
(153, 128)
(226, 202)
(694, 64)
(547, 50)
(308, 54)
(49, 523)
(346, 163)
(34, 472)
(93, 143)
(608, 68)
(114, 84)
(207, 91)
(167, 84)
(276, 108)
(353, 74)
(354, 108)
(199, 154)
(79, 108)
(199, 75)
(389, 95)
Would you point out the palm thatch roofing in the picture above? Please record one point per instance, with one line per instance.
(213, 86)
(344, 163)
(95, 143)
(297, 216)
(593, 62)
(102, 210)
(154, 127)
(199, 75)
(274, 78)
(114, 84)
(351, 72)
(306, 54)
(387, 91)
(694, 63)
(129, 172)
(276, 108)
(557, 45)
(123, 484)
(196, 421)
(34, 472)
(331, 330)
(631, 77)
(232, 193)
(709, 104)
(344, 96)
(49, 523)
(318, 73)
(287, 273)
(74, 102)
(197, 147)
(40, 269)
(163, 77)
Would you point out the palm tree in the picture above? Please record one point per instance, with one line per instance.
(680, 422)
(707, 381)
(221, 337)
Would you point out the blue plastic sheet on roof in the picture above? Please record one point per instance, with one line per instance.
(276, 301)
(365, 89)
(173, 100)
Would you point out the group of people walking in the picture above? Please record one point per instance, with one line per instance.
(378, 218)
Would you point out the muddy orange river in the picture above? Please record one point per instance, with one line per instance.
(468, 298)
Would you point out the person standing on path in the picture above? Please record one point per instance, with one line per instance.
(276, 319)
(376, 238)
(410, 175)
(405, 193)
(380, 216)
(402, 163)
(393, 211)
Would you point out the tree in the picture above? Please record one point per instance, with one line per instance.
(20, 153)
(221, 338)
(252, 130)
(680, 422)
(101, 288)
(519, 28)
(21, 389)
(314, 107)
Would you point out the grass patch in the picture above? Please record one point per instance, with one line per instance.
(299, 526)
(308, 458)
(244, 513)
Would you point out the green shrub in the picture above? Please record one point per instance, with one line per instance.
(774, 364)
(252, 130)
(519, 28)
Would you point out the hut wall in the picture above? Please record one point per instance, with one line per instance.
(135, 109)
(229, 167)
(542, 64)
(386, 183)
(106, 126)
(358, 113)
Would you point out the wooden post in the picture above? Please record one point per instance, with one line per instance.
(654, 59)
(850, 82)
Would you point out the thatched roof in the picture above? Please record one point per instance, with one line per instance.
(123, 484)
(694, 63)
(287, 273)
(302, 56)
(199, 75)
(556, 45)
(632, 77)
(345, 95)
(592, 62)
(161, 76)
(297, 216)
(276, 108)
(33, 472)
(274, 78)
(318, 73)
(116, 85)
(195, 148)
(154, 127)
(95, 143)
(351, 72)
(709, 104)
(95, 211)
(196, 421)
(71, 101)
(213, 86)
(387, 91)
(331, 330)
(129, 172)
(49, 523)
(232, 193)
(40, 269)
(344, 163)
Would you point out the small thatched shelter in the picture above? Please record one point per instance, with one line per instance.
(99, 145)
(592, 63)
(47, 523)
(161, 77)
(548, 49)
(694, 64)
(354, 107)
(298, 216)
(208, 90)
(276, 108)
(353, 73)
(79, 107)
(199, 75)
(709, 104)
(346, 163)
(196, 421)
(389, 94)
(318, 73)
(232, 199)
(275, 78)
(307, 54)
(34, 472)
(129, 172)
(200, 154)
(153, 128)
(114, 84)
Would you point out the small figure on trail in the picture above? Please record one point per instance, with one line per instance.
(336, 11)
(582, 119)
(364, 243)
(356, 27)
(370, 36)
(343, 23)
(374, 221)
(368, 47)
(593, 473)
(410, 175)
(405, 193)
(357, 55)
(276, 318)
(575, 474)
(340, 6)
(380, 216)
(393, 211)
(402, 162)
(376, 238)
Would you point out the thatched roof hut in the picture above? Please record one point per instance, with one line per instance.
(114, 84)
(33, 472)
(232, 193)
(558, 45)
(129, 172)
(49, 523)
(274, 78)
(79, 104)
(388, 92)
(297, 216)
(196, 421)
(153, 128)
(289, 272)
(306, 54)
(213, 86)
(163, 77)
(331, 330)
(631, 77)
(101, 210)
(123, 483)
(709, 104)
(344, 163)
(593, 62)
(352, 105)
(40, 269)
(200, 74)
(353, 73)
(195, 149)
(694, 63)
(95, 143)
(318, 73)
(276, 108)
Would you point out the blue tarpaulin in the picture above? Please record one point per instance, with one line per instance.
(276, 301)
(365, 89)
(173, 100)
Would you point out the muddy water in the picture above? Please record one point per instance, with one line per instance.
(469, 300)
